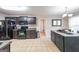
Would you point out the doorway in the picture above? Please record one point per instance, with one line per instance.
(42, 28)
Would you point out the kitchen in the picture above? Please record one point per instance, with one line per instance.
(29, 25)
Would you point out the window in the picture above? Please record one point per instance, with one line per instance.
(56, 22)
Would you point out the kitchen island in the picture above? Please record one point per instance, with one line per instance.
(66, 42)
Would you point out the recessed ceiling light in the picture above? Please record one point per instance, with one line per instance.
(16, 8)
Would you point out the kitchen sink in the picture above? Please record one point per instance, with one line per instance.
(69, 33)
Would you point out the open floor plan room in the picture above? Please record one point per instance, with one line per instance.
(39, 29)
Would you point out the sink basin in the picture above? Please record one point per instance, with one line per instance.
(70, 33)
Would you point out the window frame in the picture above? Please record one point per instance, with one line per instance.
(57, 22)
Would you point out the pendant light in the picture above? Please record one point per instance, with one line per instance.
(66, 13)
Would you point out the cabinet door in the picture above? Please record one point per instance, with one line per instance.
(23, 18)
(31, 20)
(53, 36)
(14, 34)
(59, 41)
(28, 34)
(71, 44)
(31, 34)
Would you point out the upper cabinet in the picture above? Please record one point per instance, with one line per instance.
(31, 20)
(22, 20)
(11, 20)
(27, 20)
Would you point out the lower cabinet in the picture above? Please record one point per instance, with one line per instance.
(58, 40)
(71, 44)
(28, 34)
(21, 34)
(14, 34)
(31, 34)
(65, 44)
(53, 36)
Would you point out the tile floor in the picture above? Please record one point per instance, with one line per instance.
(33, 45)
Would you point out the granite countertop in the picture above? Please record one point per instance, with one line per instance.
(3, 44)
(67, 35)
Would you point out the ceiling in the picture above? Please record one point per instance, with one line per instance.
(43, 11)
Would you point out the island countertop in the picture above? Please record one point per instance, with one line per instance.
(3, 44)
(67, 35)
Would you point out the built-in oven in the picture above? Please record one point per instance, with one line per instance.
(21, 33)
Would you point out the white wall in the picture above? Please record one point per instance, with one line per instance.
(48, 24)
(74, 23)
(2, 16)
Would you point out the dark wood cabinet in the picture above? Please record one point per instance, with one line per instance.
(31, 34)
(31, 20)
(11, 21)
(14, 34)
(23, 23)
(23, 20)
